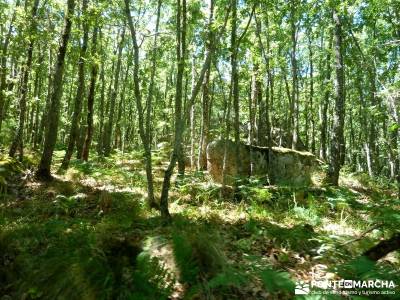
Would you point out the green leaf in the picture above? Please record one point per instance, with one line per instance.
(277, 281)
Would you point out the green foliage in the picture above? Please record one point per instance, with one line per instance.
(308, 215)
(198, 191)
(197, 255)
(362, 268)
(80, 265)
(183, 253)
(65, 205)
(277, 281)
(258, 195)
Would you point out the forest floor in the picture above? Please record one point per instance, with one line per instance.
(89, 235)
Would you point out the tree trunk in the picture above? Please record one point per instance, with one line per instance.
(54, 110)
(118, 128)
(263, 121)
(80, 93)
(18, 137)
(179, 124)
(310, 50)
(90, 99)
(235, 85)
(144, 123)
(206, 94)
(339, 112)
(3, 68)
(325, 103)
(180, 54)
(293, 122)
(109, 125)
(44, 117)
(39, 107)
(101, 111)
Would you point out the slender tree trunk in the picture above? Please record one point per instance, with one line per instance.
(144, 123)
(80, 93)
(265, 138)
(101, 111)
(395, 140)
(372, 137)
(3, 68)
(90, 99)
(263, 121)
(325, 104)
(339, 112)
(54, 110)
(44, 117)
(310, 50)
(253, 100)
(39, 107)
(180, 54)
(235, 86)
(32, 129)
(18, 136)
(109, 125)
(192, 120)
(179, 124)
(293, 123)
(81, 132)
(118, 127)
(206, 94)
(180, 150)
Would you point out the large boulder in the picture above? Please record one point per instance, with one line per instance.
(283, 166)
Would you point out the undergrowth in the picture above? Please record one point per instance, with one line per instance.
(83, 236)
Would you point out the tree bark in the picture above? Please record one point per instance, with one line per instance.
(206, 94)
(3, 68)
(144, 122)
(101, 111)
(180, 128)
(18, 136)
(90, 99)
(80, 92)
(121, 104)
(339, 112)
(180, 54)
(325, 103)
(310, 50)
(44, 118)
(43, 171)
(114, 92)
(293, 122)
(235, 85)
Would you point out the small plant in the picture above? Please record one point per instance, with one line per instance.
(255, 192)
(65, 205)
(308, 215)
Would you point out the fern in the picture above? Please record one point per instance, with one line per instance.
(276, 281)
(183, 253)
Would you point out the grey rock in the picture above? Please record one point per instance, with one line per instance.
(283, 166)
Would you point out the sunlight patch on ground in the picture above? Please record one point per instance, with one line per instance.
(341, 228)
(89, 181)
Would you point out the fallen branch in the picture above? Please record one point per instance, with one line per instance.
(364, 233)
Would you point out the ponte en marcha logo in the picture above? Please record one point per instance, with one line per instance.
(346, 286)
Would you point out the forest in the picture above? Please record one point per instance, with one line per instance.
(199, 149)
